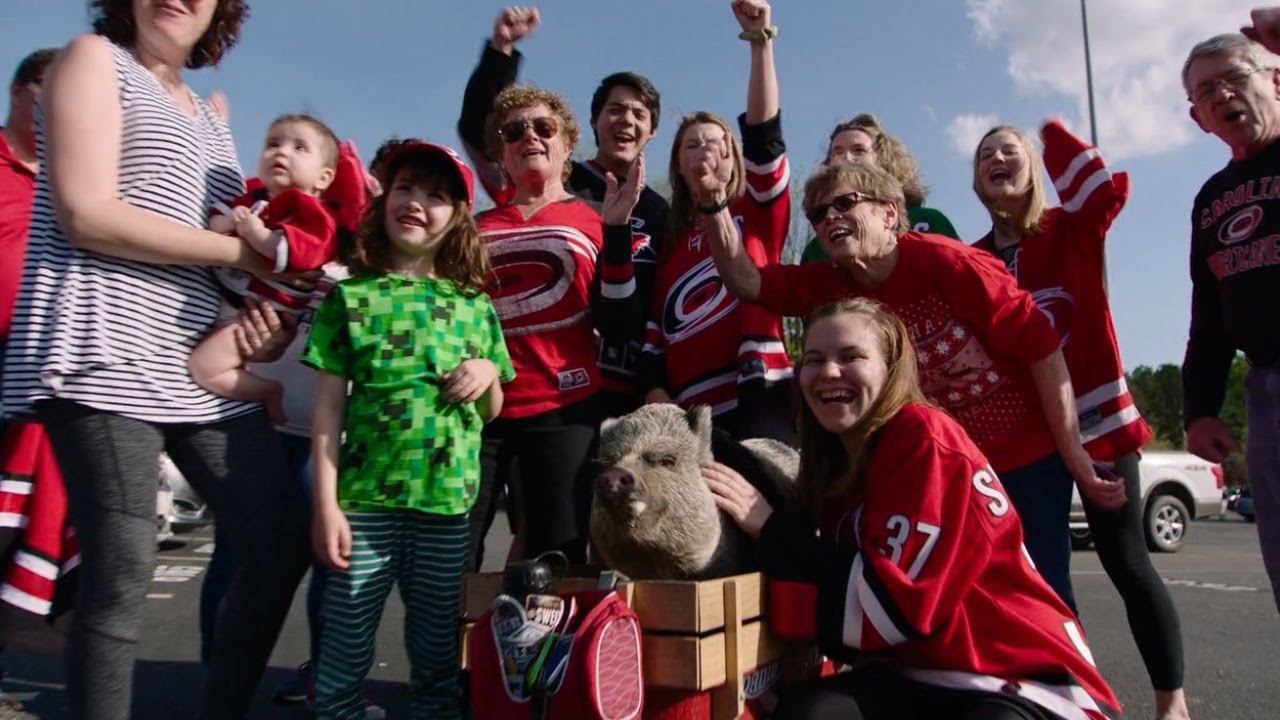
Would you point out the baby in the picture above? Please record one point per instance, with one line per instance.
(308, 186)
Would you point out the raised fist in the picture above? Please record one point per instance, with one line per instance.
(1265, 28)
(752, 15)
(514, 24)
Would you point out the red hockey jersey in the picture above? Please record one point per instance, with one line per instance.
(975, 332)
(558, 281)
(701, 343)
(41, 548)
(307, 231)
(934, 577)
(1062, 268)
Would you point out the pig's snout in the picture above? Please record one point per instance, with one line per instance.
(615, 484)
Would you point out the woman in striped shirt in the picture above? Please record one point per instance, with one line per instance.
(116, 289)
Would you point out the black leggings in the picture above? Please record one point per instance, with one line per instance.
(111, 467)
(875, 693)
(550, 492)
(1120, 541)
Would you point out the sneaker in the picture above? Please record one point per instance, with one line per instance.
(295, 689)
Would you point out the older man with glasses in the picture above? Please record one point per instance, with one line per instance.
(1234, 88)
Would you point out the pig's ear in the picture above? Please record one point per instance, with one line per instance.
(608, 424)
(699, 418)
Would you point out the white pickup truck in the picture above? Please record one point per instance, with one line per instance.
(1177, 487)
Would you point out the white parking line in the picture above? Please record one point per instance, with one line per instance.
(1220, 587)
(159, 596)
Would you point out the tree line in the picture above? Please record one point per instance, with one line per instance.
(1157, 391)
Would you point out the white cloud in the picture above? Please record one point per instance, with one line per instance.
(1137, 47)
(966, 130)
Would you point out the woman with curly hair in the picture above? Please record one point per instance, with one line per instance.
(116, 290)
(863, 139)
(561, 276)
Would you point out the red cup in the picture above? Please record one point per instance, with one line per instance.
(793, 609)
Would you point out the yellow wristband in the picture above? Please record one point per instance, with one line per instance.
(761, 36)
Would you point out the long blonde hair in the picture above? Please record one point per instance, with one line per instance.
(1032, 220)
(828, 468)
(682, 210)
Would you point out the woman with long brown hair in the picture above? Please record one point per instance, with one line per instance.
(702, 346)
(918, 558)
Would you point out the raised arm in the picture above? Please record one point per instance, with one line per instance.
(1091, 195)
(498, 68)
(762, 89)
(82, 111)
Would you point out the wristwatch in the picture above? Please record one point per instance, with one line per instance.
(713, 208)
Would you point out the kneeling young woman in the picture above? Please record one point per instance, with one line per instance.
(922, 580)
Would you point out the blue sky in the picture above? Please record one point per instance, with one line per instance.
(935, 71)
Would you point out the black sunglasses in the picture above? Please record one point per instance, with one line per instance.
(514, 131)
(842, 203)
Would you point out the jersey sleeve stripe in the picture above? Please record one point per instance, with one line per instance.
(1118, 420)
(768, 182)
(762, 346)
(1072, 702)
(853, 616)
(1095, 181)
(769, 168)
(618, 291)
(1078, 163)
(876, 613)
(1103, 393)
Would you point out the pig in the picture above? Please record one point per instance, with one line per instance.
(652, 515)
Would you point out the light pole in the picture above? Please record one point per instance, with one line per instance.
(1093, 119)
(1088, 73)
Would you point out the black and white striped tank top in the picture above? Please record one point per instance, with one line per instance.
(115, 334)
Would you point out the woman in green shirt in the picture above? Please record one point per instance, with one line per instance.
(863, 139)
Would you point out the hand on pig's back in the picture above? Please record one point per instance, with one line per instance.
(737, 497)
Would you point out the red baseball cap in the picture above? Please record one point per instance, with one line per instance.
(417, 149)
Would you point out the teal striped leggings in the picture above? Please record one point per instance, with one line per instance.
(426, 554)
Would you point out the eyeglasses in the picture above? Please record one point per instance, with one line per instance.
(842, 203)
(514, 131)
(1234, 81)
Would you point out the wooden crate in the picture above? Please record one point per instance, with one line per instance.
(698, 635)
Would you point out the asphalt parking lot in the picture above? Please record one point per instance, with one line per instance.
(1229, 621)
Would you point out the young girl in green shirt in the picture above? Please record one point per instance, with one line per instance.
(411, 358)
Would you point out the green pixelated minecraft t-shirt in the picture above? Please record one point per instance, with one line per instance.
(394, 337)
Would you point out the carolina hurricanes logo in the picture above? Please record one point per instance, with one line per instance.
(1240, 226)
(1060, 307)
(535, 276)
(696, 301)
(642, 250)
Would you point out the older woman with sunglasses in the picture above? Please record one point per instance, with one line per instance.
(562, 275)
(985, 352)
